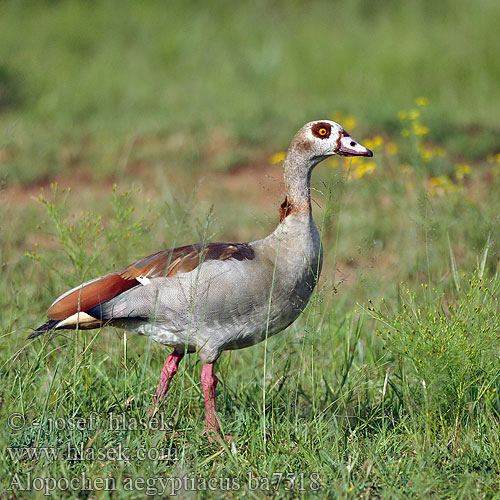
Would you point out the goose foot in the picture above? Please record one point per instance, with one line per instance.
(209, 382)
(168, 371)
(210, 432)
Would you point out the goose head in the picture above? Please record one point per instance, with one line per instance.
(314, 142)
(320, 139)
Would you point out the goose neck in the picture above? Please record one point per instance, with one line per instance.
(297, 174)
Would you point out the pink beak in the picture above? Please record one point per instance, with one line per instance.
(349, 147)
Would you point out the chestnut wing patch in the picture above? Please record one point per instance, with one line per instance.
(166, 263)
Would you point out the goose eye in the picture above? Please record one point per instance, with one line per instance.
(321, 130)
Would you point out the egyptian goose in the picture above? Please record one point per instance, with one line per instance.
(208, 298)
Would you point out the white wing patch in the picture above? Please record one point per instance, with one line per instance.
(143, 280)
(79, 318)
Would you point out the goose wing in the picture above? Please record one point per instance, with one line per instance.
(164, 264)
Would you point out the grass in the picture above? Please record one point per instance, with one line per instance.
(387, 386)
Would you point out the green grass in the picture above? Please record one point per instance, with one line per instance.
(388, 385)
(342, 407)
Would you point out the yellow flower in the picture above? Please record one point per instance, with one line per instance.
(462, 170)
(333, 162)
(405, 132)
(402, 115)
(351, 162)
(427, 155)
(414, 114)
(419, 129)
(442, 185)
(374, 142)
(495, 159)
(422, 101)
(353, 166)
(347, 121)
(429, 152)
(363, 169)
(277, 158)
(441, 180)
(392, 148)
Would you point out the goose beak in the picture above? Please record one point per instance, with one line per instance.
(349, 147)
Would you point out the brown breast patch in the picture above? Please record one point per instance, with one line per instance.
(286, 208)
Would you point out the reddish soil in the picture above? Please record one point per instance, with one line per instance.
(256, 183)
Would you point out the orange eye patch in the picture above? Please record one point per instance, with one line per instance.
(321, 130)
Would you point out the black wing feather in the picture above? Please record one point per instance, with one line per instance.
(46, 327)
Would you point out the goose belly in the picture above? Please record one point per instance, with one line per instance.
(215, 316)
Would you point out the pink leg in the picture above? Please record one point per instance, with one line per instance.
(209, 381)
(168, 371)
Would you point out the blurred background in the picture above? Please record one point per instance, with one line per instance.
(208, 85)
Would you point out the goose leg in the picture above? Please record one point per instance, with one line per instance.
(168, 371)
(209, 381)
